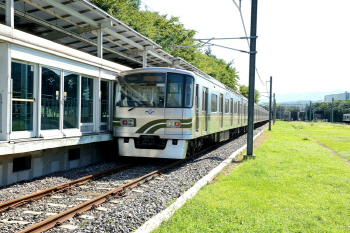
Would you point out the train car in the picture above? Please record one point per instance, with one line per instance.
(169, 113)
(346, 118)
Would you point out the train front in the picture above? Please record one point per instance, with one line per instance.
(153, 112)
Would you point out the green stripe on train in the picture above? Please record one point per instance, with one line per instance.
(153, 125)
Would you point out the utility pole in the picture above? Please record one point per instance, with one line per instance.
(332, 109)
(306, 113)
(310, 112)
(252, 55)
(274, 108)
(270, 112)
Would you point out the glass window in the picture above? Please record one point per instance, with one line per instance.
(50, 98)
(87, 100)
(174, 90)
(236, 108)
(227, 105)
(141, 90)
(104, 101)
(188, 92)
(71, 101)
(22, 111)
(214, 103)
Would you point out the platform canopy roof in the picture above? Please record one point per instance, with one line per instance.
(76, 23)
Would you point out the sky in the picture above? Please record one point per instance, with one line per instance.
(303, 44)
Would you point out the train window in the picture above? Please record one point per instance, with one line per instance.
(188, 92)
(141, 90)
(214, 103)
(231, 106)
(236, 108)
(174, 90)
(227, 105)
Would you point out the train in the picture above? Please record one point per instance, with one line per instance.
(346, 118)
(171, 113)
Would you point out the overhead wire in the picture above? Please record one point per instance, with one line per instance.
(246, 34)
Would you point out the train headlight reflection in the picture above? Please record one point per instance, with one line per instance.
(173, 123)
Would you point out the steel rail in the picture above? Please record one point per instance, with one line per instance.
(60, 188)
(120, 191)
(58, 219)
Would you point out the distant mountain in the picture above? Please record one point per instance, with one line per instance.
(301, 97)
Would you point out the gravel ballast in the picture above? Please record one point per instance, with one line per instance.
(125, 214)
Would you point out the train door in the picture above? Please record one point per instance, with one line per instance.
(197, 107)
(205, 108)
(231, 111)
(239, 113)
(244, 112)
(221, 108)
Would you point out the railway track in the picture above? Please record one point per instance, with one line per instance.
(81, 190)
(117, 185)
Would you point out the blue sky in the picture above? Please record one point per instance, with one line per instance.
(302, 44)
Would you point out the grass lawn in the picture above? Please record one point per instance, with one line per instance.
(334, 136)
(293, 185)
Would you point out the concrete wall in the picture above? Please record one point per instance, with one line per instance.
(47, 161)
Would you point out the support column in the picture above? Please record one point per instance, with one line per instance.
(310, 112)
(5, 91)
(332, 110)
(144, 57)
(10, 13)
(274, 108)
(97, 103)
(176, 62)
(253, 26)
(103, 25)
(100, 43)
(270, 105)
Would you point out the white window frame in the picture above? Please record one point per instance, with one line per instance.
(27, 133)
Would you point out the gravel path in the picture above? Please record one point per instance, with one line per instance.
(124, 214)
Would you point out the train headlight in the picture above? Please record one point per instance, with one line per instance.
(127, 122)
(173, 123)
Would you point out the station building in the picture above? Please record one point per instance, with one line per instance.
(58, 63)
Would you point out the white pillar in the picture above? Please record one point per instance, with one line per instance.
(5, 91)
(10, 13)
(97, 103)
(102, 25)
(100, 43)
(144, 59)
(176, 62)
(145, 51)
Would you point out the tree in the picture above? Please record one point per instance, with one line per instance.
(170, 33)
(244, 90)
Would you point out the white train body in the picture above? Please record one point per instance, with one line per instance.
(346, 118)
(166, 113)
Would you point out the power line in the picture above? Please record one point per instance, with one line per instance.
(245, 32)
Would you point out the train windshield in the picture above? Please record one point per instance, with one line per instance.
(152, 90)
(141, 90)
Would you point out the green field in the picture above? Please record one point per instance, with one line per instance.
(334, 136)
(293, 185)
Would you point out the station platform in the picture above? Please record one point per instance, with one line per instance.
(30, 158)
